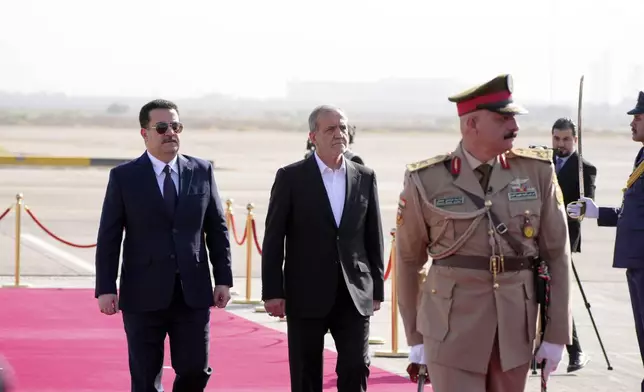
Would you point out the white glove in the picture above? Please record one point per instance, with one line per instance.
(552, 353)
(417, 354)
(574, 209)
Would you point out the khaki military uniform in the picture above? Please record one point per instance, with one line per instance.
(479, 327)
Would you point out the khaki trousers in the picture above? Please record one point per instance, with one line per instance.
(449, 379)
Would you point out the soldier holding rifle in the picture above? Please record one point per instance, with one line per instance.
(487, 214)
(629, 221)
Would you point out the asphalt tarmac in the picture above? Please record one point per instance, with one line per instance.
(68, 202)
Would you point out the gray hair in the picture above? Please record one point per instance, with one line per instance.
(313, 117)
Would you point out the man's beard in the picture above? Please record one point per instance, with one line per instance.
(562, 153)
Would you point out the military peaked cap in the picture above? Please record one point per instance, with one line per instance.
(639, 107)
(494, 95)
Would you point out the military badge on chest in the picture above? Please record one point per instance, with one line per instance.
(520, 190)
(526, 228)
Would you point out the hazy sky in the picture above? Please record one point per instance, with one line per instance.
(252, 48)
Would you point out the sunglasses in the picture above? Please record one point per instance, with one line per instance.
(162, 127)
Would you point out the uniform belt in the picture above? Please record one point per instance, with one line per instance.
(484, 263)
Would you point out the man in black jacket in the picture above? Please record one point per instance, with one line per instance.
(330, 274)
(167, 206)
(566, 160)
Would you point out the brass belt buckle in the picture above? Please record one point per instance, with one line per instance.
(496, 267)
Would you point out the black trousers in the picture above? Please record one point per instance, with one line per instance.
(574, 348)
(350, 331)
(189, 333)
(635, 280)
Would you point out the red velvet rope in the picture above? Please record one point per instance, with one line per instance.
(259, 248)
(388, 271)
(54, 236)
(234, 229)
(5, 212)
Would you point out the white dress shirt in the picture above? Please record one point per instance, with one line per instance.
(159, 166)
(335, 182)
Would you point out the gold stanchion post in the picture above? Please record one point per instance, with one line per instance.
(249, 259)
(395, 352)
(18, 211)
(229, 224)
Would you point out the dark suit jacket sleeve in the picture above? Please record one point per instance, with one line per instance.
(590, 173)
(357, 159)
(374, 243)
(217, 239)
(608, 216)
(277, 216)
(110, 235)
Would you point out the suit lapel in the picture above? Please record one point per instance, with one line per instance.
(186, 171)
(569, 168)
(150, 185)
(571, 164)
(317, 184)
(353, 182)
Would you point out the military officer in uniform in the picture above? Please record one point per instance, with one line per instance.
(482, 212)
(629, 221)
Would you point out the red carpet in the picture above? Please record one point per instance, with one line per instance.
(58, 341)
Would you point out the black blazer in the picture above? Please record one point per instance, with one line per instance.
(303, 247)
(568, 178)
(352, 156)
(155, 244)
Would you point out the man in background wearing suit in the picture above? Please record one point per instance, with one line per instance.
(325, 208)
(566, 160)
(169, 207)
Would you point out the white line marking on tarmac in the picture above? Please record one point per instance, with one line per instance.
(61, 254)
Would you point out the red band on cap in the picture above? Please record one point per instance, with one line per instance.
(472, 104)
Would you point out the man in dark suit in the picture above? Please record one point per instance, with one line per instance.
(566, 160)
(169, 207)
(325, 208)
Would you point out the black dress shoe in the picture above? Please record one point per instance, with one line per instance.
(577, 362)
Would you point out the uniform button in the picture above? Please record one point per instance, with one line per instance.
(433, 291)
(172, 256)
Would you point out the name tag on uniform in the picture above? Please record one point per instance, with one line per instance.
(449, 201)
(519, 190)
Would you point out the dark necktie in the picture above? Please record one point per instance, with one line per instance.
(484, 170)
(559, 164)
(169, 191)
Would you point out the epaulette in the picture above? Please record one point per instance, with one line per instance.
(428, 162)
(540, 154)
